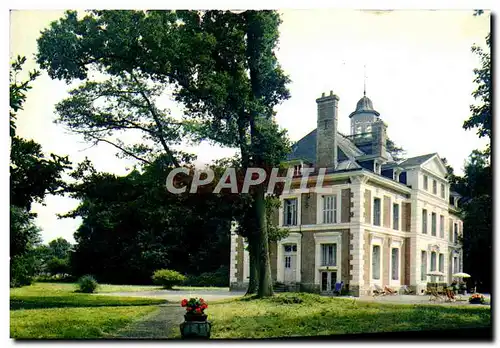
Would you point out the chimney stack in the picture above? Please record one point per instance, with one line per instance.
(326, 132)
(379, 144)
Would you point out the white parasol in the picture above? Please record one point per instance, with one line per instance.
(461, 275)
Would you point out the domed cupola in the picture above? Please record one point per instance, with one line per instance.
(364, 106)
(363, 117)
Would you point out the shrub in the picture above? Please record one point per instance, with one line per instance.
(167, 278)
(58, 266)
(87, 284)
(21, 270)
(217, 278)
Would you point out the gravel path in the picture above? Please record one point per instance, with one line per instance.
(158, 325)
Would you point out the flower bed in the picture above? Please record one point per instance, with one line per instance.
(476, 299)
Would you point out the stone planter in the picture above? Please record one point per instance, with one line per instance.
(195, 326)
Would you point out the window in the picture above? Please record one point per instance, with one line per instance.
(290, 212)
(290, 247)
(297, 169)
(455, 233)
(434, 187)
(395, 263)
(433, 224)
(455, 265)
(376, 262)
(328, 254)
(441, 263)
(433, 261)
(329, 209)
(395, 216)
(288, 261)
(376, 211)
(424, 221)
(441, 226)
(425, 182)
(377, 168)
(442, 190)
(423, 266)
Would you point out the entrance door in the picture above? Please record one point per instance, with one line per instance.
(328, 280)
(290, 263)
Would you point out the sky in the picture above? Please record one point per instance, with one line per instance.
(419, 73)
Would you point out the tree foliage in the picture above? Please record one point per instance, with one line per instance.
(32, 177)
(221, 66)
(481, 111)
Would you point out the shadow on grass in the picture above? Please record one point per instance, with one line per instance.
(80, 300)
(366, 320)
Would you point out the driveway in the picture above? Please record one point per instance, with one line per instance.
(416, 299)
(179, 295)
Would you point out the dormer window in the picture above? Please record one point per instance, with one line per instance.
(297, 170)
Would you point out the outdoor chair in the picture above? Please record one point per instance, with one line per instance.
(378, 291)
(433, 294)
(440, 289)
(405, 290)
(338, 288)
(450, 296)
(389, 291)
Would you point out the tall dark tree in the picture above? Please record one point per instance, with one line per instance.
(477, 184)
(220, 65)
(32, 176)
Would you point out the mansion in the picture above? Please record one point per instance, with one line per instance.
(375, 220)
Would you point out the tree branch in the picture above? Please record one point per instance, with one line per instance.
(158, 124)
(97, 139)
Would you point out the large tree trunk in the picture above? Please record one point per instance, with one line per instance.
(265, 281)
(253, 248)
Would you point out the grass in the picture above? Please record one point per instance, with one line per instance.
(287, 315)
(55, 311)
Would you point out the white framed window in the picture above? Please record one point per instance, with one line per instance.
(424, 221)
(376, 211)
(330, 209)
(329, 254)
(395, 216)
(442, 191)
(290, 212)
(434, 187)
(323, 253)
(433, 224)
(395, 263)
(441, 226)
(455, 233)
(441, 263)
(297, 170)
(376, 262)
(433, 261)
(426, 182)
(423, 265)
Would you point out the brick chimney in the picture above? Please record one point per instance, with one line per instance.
(326, 140)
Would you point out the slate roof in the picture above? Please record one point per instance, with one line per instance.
(416, 161)
(305, 148)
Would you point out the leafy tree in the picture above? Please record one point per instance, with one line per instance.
(60, 248)
(24, 237)
(481, 112)
(220, 65)
(133, 223)
(32, 176)
(476, 185)
(396, 152)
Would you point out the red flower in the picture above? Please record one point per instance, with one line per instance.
(189, 309)
(198, 310)
(204, 306)
(184, 303)
(202, 300)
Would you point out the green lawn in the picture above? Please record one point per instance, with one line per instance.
(50, 311)
(315, 315)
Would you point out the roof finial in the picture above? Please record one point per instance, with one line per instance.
(364, 82)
